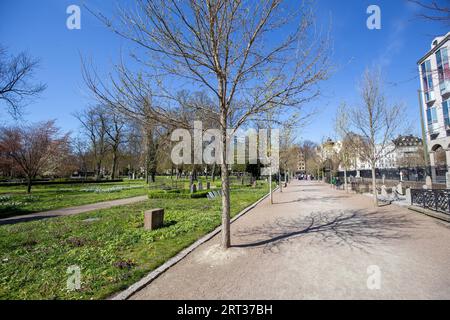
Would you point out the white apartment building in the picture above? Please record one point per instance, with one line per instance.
(392, 155)
(434, 73)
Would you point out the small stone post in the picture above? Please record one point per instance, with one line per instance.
(153, 219)
(408, 195)
(400, 188)
(428, 183)
(384, 191)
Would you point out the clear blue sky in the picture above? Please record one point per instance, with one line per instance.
(39, 27)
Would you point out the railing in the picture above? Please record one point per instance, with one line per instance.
(436, 200)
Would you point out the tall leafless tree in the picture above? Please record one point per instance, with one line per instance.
(308, 149)
(373, 122)
(249, 57)
(16, 85)
(115, 127)
(94, 123)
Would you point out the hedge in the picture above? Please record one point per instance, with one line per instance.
(176, 194)
(50, 182)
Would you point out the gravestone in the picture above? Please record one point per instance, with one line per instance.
(254, 183)
(153, 219)
(193, 188)
(428, 183)
(408, 195)
(200, 186)
(384, 191)
(208, 185)
(400, 188)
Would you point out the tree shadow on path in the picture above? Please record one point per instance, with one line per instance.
(360, 229)
(321, 199)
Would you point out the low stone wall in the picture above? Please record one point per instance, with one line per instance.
(393, 183)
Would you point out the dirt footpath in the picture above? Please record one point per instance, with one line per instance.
(317, 243)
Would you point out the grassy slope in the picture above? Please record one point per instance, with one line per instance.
(112, 252)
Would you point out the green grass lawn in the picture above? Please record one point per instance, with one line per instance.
(15, 201)
(112, 252)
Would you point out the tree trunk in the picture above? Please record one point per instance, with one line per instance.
(345, 180)
(213, 172)
(374, 187)
(226, 237)
(99, 169)
(280, 183)
(114, 165)
(29, 183)
(151, 155)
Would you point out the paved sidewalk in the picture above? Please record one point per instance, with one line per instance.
(316, 243)
(72, 210)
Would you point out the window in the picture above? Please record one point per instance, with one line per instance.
(427, 80)
(445, 106)
(431, 116)
(443, 68)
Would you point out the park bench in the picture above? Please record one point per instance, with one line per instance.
(213, 194)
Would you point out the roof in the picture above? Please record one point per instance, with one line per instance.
(440, 41)
(408, 140)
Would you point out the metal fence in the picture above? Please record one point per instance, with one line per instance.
(436, 200)
(408, 174)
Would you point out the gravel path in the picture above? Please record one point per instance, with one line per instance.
(72, 210)
(317, 243)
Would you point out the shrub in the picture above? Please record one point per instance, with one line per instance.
(176, 194)
(199, 194)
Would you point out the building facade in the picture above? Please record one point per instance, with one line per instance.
(301, 163)
(403, 152)
(434, 73)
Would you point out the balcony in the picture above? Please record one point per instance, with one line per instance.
(445, 88)
(429, 97)
(433, 131)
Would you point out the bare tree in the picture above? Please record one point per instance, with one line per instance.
(373, 122)
(264, 55)
(81, 150)
(347, 141)
(16, 74)
(32, 147)
(94, 122)
(434, 10)
(309, 152)
(288, 152)
(115, 127)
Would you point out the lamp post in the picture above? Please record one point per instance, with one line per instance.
(424, 137)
